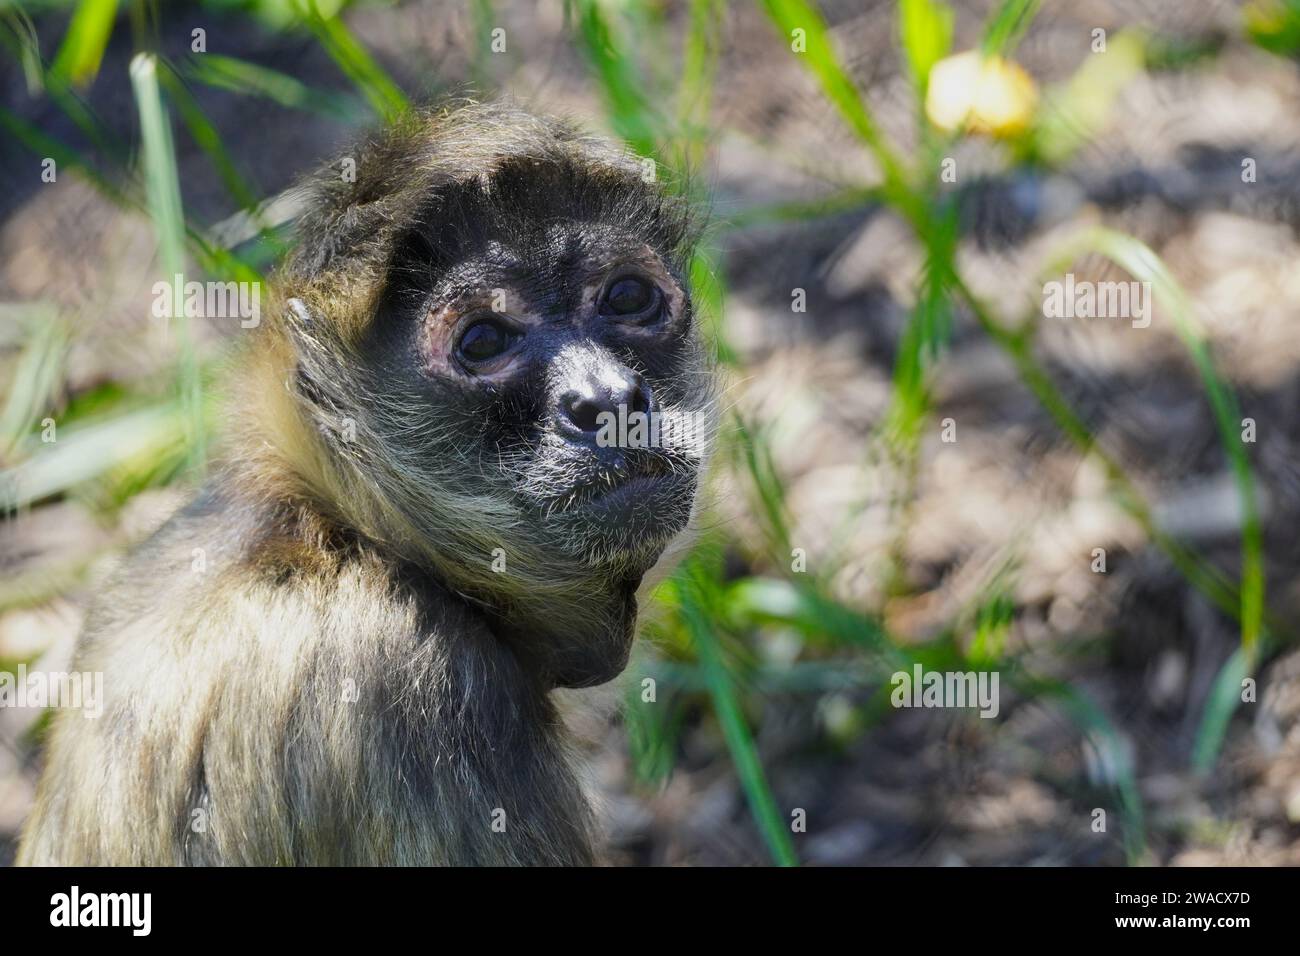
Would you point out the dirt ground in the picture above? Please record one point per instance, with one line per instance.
(1009, 500)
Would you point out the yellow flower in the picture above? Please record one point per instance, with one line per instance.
(980, 94)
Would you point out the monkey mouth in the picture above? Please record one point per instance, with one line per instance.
(610, 488)
(626, 514)
(621, 492)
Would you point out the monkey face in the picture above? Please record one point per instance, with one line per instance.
(579, 385)
(554, 353)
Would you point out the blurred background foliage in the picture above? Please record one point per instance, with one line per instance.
(860, 302)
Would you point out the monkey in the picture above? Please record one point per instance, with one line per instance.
(344, 650)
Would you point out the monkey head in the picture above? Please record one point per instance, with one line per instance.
(490, 346)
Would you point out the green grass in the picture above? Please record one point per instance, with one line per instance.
(372, 81)
(254, 80)
(37, 376)
(695, 591)
(1007, 26)
(941, 287)
(83, 46)
(162, 187)
(1144, 265)
(925, 34)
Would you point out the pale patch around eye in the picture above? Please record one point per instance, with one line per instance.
(446, 320)
(646, 266)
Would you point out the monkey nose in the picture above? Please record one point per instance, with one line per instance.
(581, 407)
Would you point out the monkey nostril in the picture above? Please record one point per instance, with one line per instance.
(583, 408)
(582, 411)
(635, 394)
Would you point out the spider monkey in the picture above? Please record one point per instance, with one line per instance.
(419, 526)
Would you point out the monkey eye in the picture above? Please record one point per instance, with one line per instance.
(483, 341)
(632, 297)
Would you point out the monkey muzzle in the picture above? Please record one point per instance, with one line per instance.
(628, 479)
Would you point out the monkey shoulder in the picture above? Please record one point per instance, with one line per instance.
(309, 697)
(277, 693)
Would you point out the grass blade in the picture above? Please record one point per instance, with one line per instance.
(83, 46)
(761, 469)
(1143, 264)
(627, 106)
(19, 36)
(36, 378)
(791, 15)
(841, 201)
(206, 136)
(92, 450)
(211, 257)
(1094, 722)
(1074, 113)
(1007, 25)
(652, 727)
(925, 31)
(700, 62)
(740, 741)
(162, 188)
(1225, 696)
(250, 79)
(384, 96)
(1017, 345)
(756, 601)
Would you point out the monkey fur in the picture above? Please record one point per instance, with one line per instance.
(410, 542)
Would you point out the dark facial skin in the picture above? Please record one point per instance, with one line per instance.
(535, 339)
